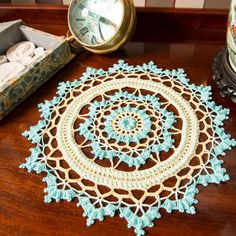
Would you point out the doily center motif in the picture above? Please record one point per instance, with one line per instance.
(127, 122)
(131, 140)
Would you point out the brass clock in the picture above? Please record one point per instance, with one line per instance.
(101, 26)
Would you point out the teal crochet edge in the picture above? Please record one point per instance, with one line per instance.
(54, 191)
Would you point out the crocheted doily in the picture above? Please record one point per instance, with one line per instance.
(131, 140)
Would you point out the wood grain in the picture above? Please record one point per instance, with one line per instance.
(22, 210)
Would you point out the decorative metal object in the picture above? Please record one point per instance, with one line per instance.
(101, 26)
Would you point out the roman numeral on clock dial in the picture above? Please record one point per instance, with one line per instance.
(80, 19)
(94, 40)
(84, 31)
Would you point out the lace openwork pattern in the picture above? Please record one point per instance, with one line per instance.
(131, 140)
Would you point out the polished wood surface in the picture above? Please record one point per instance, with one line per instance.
(22, 209)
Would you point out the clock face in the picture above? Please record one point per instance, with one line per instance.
(95, 22)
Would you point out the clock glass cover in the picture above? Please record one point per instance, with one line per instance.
(95, 22)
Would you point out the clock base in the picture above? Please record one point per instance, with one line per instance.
(224, 75)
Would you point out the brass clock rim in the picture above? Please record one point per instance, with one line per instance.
(125, 35)
(104, 48)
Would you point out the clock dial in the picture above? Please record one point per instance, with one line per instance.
(94, 22)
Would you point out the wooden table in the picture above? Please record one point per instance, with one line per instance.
(22, 209)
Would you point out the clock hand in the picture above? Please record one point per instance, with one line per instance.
(100, 30)
(103, 19)
(107, 22)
